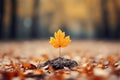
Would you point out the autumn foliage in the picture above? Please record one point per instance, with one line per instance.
(59, 39)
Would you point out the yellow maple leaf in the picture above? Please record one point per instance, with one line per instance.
(59, 39)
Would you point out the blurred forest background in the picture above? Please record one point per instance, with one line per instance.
(38, 19)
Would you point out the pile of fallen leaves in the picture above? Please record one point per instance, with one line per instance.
(98, 67)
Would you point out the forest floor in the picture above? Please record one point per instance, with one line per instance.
(97, 60)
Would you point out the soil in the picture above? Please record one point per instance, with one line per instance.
(60, 63)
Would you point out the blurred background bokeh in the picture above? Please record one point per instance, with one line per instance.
(38, 19)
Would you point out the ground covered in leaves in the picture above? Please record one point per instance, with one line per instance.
(81, 60)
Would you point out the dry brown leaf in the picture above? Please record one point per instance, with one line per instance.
(28, 65)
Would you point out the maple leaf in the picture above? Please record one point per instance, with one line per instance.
(59, 39)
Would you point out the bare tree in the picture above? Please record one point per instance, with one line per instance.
(35, 22)
(1, 17)
(117, 12)
(105, 18)
(13, 18)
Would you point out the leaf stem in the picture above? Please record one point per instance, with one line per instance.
(59, 51)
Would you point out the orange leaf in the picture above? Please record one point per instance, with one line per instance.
(28, 66)
(38, 72)
(59, 39)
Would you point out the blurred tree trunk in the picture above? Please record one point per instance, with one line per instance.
(35, 24)
(13, 19)
(117, 11)
(105, 19)
(1, 17)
